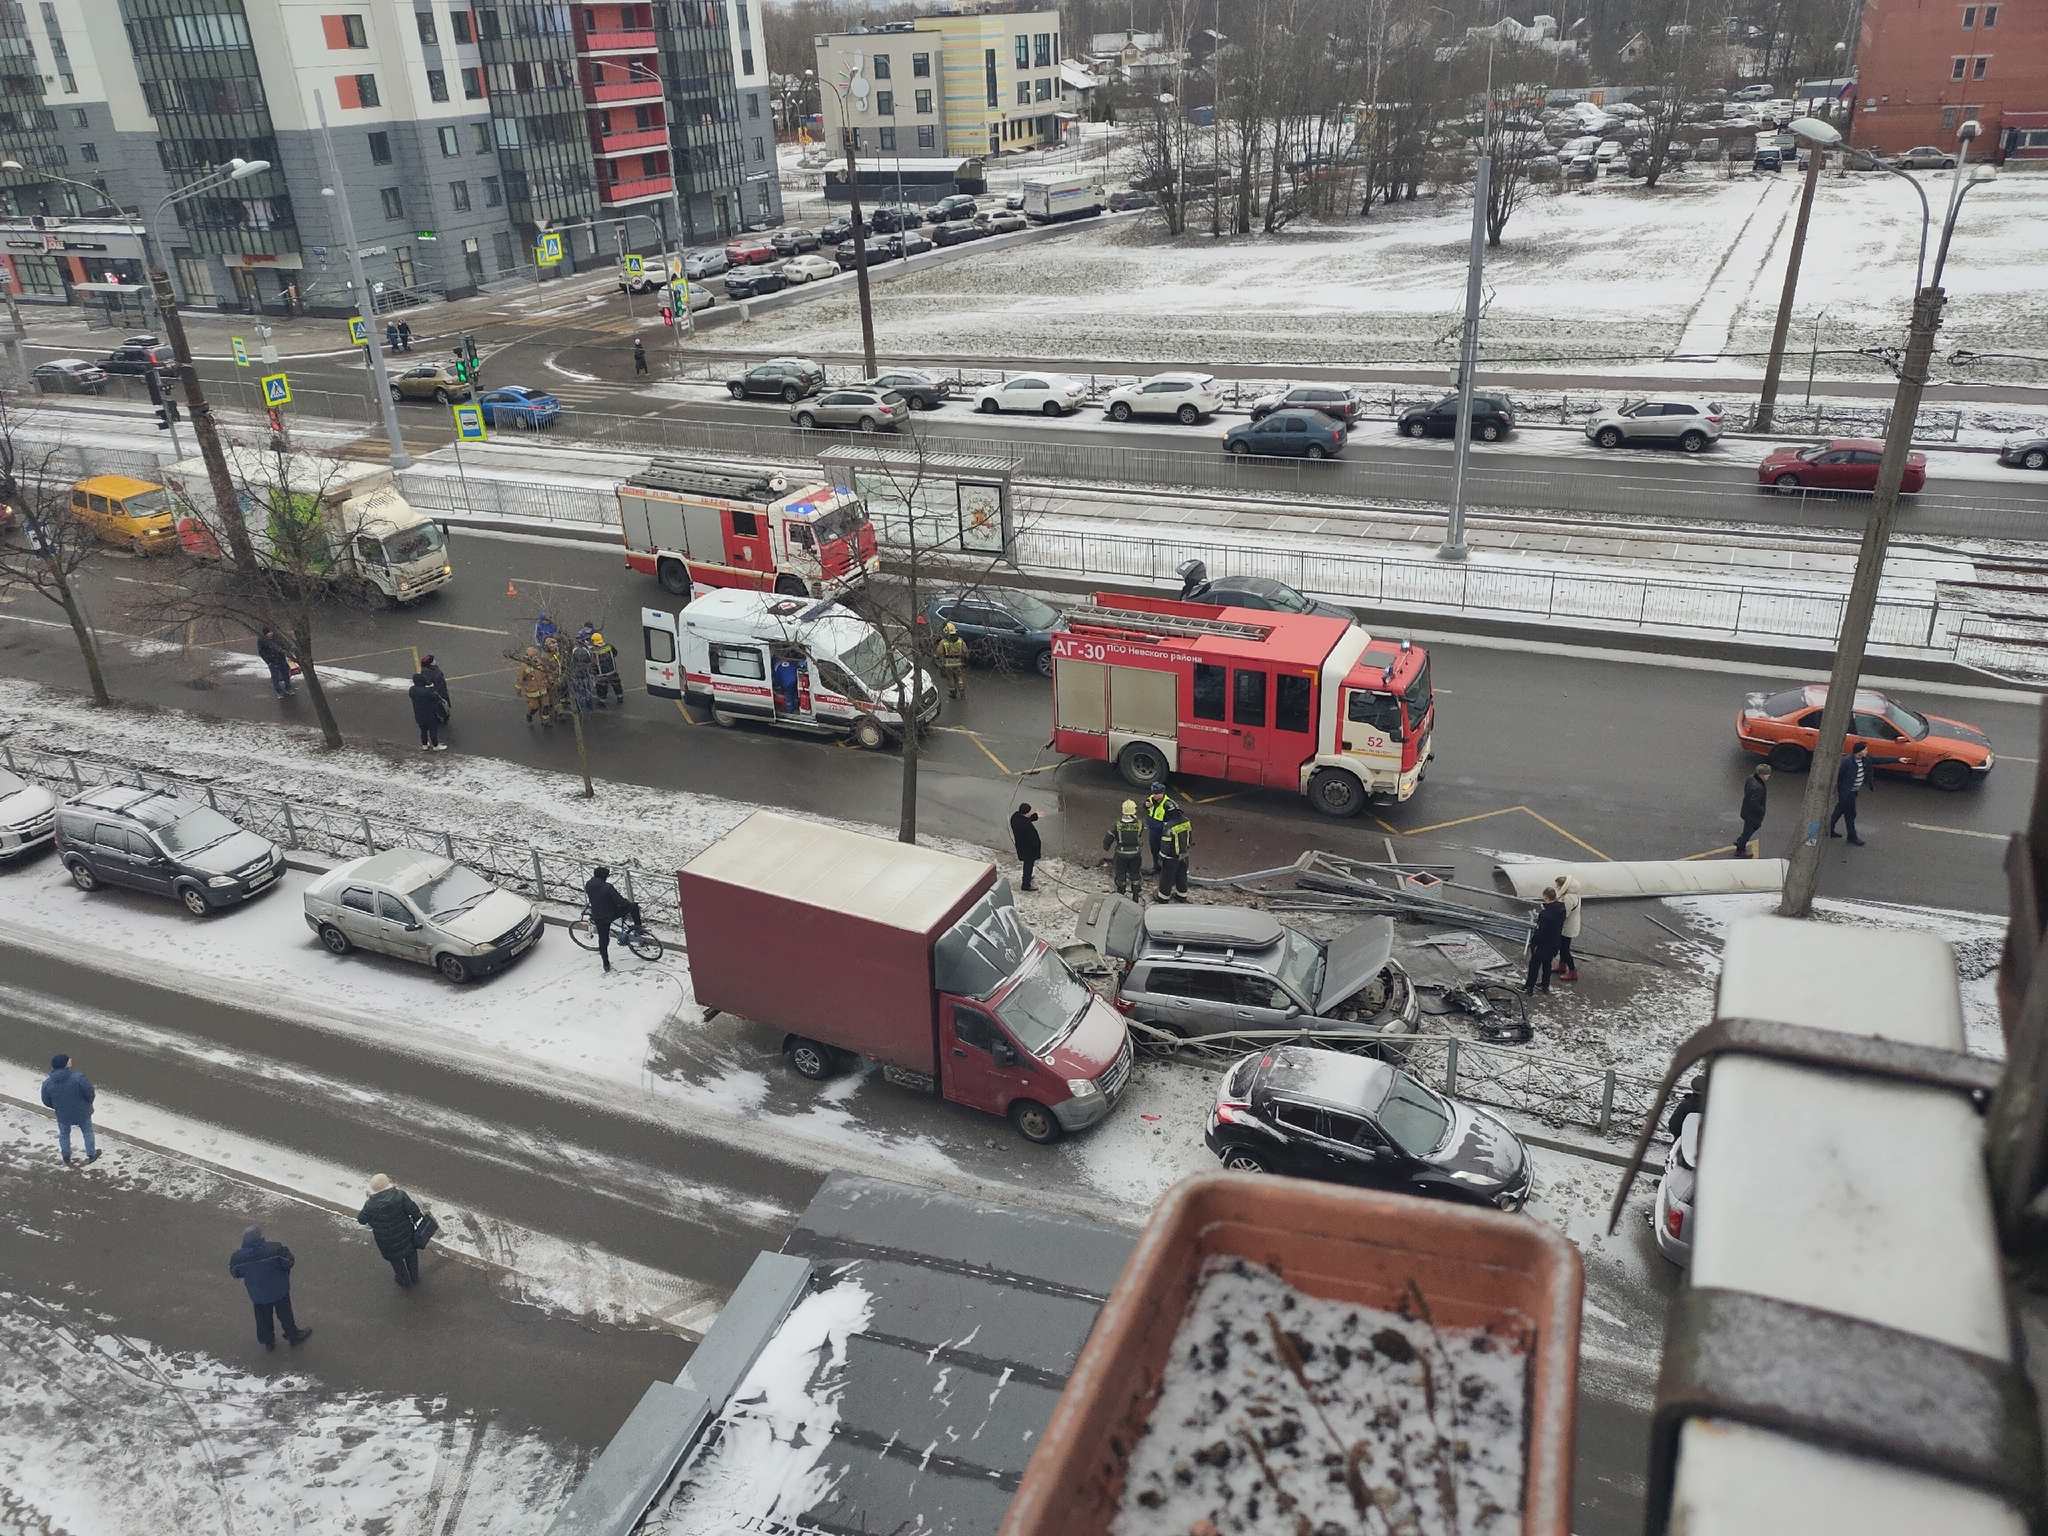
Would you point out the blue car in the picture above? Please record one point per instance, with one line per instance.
(518, 406)
(1293, 434)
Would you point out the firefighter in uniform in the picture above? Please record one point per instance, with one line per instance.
(1125, 839)
(1156, 805)
(532, 686)
(1174, 847)
(607, 656)
(953, 662)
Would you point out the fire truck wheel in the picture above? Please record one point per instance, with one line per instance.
(1141, 764)
(1035, 1123)
(674, 577)
(1336, 793)
(867, 733)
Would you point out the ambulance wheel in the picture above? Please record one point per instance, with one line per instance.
(674, 577)
(1141, 764)
(867, 733)
(1035, 1123)
(730, 722)
(810, 1059)
(1336, 793)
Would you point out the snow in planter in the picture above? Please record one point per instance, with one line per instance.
(1285, 1413)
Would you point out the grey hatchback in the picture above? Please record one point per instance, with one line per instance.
(868, 409)
(149, 840)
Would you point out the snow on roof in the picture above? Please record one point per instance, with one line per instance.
(896, 884)
(1079, 76)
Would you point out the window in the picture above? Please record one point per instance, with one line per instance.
(885, 103)
(1023, 93)
(1957, 67)
(1248, 702)
(924, 102)
(394, 203)
(1045, 89)
(1291, 694)
(426, 26)
(380, 149)
(460, 21)
(1208, 692)
(746, 61)
(988, 70)
(481, 134)
(501, 244)
(458, 193)
(358, 899)
(1990, 16)
(392, 910)
(437, 84)
(971, 1027)
(472, 85)
(921, 65)
(493, 195)
(928, 138)
(451, 141)
(344, 31)
(1023, 51)
(89, 153)
(746, 525)
(1186, 981)
(1376, 711)
(754, 106)
(1977, 69)
(366, 90)
(888, 140)
(1948, 120)
(81, 117)
(1041, 50)
(761, 149)
(1969, 17)
(1298, 1117)
(881, 66)
(741, 661)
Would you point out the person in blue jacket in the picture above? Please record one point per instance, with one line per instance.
(70, 1094)
(1851, 776)
(265, 1270)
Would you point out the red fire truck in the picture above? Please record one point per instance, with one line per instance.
(1292, 701)
(701, 525)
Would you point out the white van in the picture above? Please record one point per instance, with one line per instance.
(794, 662)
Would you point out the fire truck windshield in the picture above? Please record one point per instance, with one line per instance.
(1417, 695)
(842, 522)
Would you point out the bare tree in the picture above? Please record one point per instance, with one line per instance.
(1680, 53)
(55, 544)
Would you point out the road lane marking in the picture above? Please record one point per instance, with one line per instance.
(474, 629)
(1922, 826)
(568, 586)
(1001, 766)
(1506, 810)
(1709, 854)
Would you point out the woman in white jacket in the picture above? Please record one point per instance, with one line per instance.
(1567, 890)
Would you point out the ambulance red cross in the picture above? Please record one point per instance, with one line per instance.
(1288, 701)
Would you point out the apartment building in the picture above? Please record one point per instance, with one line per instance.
(459, 132)
(954, 84)
(1924, 67)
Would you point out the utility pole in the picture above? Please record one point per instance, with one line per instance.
(1767, 402)
(366, 302)
(204, 427)
(1453, 546)
(860, 245)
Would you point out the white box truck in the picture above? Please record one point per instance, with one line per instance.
(1049, 199)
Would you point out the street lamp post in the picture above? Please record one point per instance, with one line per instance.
(1813, 351)
(860, 241)
(1803, 873)
(366, 300)
(1820, 137)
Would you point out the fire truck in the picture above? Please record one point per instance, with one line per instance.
(1290, 701)
(692, 526)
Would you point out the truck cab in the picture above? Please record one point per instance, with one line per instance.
(1388, 715)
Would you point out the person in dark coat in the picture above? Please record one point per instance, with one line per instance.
(1025, 836)
(429, 712)
(639, 356)
(1544, 942)
(392, 1219)
(265, 1268)
(436, 679)
(270, 648)
(607, 906)
(404, 336)
(1756, 790)
(1850, 779)
(70, 1095)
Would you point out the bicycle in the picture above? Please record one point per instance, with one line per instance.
(583, 932)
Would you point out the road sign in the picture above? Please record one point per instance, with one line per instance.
(550, 250)
(469, 423)
(635, 266)
(359, 331)
(277, 389)
(241, 351)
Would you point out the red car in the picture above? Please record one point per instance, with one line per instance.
(739, 253)
(1845, 464)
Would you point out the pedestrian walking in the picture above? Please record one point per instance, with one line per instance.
(608, 677)
(639, 356)
(270, 647)
(265, 1270)
(1850, 778)
(70, 1095)
(953, 662)
(1156, 804)
(390, 337)
(394, 1221)
(532, 687)
(1567, 888)
(429, 713)
(1175, 844)
(607, 906)
(1756, 791)
(404, 336)
(1125, 841)
(1024, 834)
(1544, 942)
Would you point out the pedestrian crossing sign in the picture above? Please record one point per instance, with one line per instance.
(359, 331)
(549, 251)
(241, 351)
(469, 423)
(635, 266)
(277, 389)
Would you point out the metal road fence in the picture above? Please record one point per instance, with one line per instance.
(344, 833)
(1559, 1090)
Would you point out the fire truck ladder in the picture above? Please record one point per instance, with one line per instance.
(703, 480)
(1164, 623)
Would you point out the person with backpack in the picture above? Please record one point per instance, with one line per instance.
(1125, 841)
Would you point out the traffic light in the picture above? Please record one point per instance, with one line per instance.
(166, 404)
(668, 316)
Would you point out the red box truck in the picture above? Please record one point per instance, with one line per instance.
(856, 946)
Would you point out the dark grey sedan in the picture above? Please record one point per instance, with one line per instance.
(70, 376)
(2025, 453)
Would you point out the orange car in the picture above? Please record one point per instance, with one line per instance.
(1784, 727)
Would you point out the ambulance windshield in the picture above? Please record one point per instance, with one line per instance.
(870, 660)
(842, 522)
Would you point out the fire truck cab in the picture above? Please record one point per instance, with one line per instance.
(1292, 701)
(692, 526)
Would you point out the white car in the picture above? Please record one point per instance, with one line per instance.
(28, 816)
(421, 906)
(1052, 393)
(1693, 425)
(1187, 397)
(1675, 1191)
(803, 269)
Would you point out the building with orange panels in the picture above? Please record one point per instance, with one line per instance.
(1924, 67)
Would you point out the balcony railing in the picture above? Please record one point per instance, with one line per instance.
(638, 88)
(615, 192)
(614, 42)
(630, 139)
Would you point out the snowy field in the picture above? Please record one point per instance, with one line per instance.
(1614, 273)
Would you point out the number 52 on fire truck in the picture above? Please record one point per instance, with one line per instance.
(1290, 701)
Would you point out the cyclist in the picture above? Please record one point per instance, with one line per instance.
(607, 906)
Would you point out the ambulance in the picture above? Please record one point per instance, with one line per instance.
(1289, 701)
(693, 526)
(790, 662)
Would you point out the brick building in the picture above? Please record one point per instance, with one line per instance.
(1925, 66)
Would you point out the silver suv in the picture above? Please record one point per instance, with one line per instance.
(1693, 425)
(1202, 970)
(868, 409)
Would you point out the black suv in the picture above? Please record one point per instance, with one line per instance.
(780, 378)
(958, 206)
(894, 216)
(842, 229)
(1352, 1120)
(794, 241)
(1333, 400)
(134, 359)
(1492, 418)
(153, 841)
(752, 282)
(956, 232)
